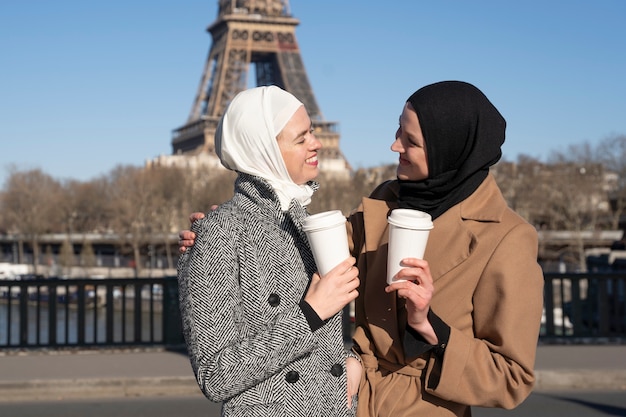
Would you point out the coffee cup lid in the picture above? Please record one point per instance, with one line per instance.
(323, 220)
(411, 219)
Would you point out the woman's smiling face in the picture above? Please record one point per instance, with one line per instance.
(410, 145)
(298, 147)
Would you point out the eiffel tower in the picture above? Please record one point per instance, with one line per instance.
(259, 33)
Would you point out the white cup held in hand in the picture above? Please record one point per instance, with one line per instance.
(408, 235)
(328, 239)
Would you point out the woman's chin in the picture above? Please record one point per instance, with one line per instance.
(402, 174)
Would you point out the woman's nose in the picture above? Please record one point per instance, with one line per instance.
(317, 144)
(396, 146)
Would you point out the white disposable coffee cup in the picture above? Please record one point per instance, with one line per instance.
(328, 239)
(408, 235)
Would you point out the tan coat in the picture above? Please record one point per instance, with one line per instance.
(488, 289)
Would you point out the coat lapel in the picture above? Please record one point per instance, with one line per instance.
(449, 244)
(452, 238)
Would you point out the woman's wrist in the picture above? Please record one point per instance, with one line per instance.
(426, 331)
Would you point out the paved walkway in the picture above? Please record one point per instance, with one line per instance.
(52, 375)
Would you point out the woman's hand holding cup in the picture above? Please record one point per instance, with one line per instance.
(329, 294)
(414, 284)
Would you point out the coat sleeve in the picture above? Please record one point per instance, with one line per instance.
(495, 367)
(227, 356)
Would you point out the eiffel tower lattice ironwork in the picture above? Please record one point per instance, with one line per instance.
(259, 33)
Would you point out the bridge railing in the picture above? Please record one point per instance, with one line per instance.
(46, 313)
(89, 312)
(582, 307)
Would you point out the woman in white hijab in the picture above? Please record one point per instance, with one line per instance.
(263, 330)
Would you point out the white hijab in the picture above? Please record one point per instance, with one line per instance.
(245, 139)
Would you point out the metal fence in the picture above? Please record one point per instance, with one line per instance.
(89, 312)
(582, 307)
(47, 313)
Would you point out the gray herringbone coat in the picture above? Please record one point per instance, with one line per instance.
(249, 342)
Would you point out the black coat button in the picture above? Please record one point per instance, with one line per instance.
(292, 377)
(274, 300)
(336, 370)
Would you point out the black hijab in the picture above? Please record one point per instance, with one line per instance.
(463, 133)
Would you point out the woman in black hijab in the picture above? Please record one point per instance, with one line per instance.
(463, 133)
(461, 326)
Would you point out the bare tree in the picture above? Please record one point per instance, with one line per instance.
(66, 256)
(87, 255)
(612, 154)
(49, 260)
(576, 196)
(85, 206)
(518, 182)
(29, 204)
(210, 189)
(129, 193)
(172, 191)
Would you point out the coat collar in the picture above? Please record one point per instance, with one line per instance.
(486, 204)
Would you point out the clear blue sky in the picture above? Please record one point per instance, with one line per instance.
(88, 85)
